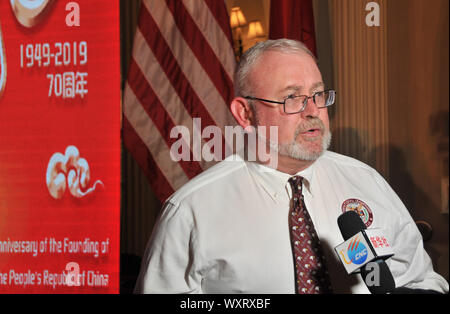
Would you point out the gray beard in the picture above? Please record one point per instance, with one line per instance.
(297, 151)
(294, 149)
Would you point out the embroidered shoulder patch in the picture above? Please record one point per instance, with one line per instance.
(361, 208)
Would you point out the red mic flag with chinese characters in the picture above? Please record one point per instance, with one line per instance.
(293, 19)
(180, 78)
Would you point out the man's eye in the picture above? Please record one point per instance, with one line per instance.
(289, 96)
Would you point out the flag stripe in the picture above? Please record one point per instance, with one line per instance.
(170, 66)
(170, 98)
(170, 84)
(158, 182)
(149, 134)
(221, 15)
(190, 65)
(201, 48)
(152, 106)
(212, 32)
(181, 68)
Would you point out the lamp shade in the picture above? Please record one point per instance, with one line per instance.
(237, 18)
(255, 30)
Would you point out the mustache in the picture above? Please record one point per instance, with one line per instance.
(312, 123)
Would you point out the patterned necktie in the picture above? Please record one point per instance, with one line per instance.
(310, 268)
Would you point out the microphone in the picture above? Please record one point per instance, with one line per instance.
(364, 251)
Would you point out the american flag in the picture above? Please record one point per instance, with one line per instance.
(181, 68)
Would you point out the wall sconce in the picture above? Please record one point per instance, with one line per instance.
(255, 30)
(237, 21)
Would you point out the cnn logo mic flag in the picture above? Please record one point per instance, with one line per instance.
(364, 247)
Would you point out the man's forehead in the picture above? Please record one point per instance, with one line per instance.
(298, 88)
(272, 62)
(274, 59)
(280, 54)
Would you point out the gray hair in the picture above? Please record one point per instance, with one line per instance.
(242, 86)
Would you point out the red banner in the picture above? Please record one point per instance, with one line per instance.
(59, 146)
(293, 19)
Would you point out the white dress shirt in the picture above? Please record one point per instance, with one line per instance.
(227, 230)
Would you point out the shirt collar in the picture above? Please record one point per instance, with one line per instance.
(276, 182)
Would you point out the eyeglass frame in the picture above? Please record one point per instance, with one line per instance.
(305, 102)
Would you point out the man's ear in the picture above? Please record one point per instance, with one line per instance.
(242, 112)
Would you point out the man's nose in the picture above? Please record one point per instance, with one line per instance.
(311, 109)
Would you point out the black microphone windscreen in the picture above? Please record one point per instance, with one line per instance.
(381, 280)
(350, 224)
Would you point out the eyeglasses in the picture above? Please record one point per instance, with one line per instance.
(296, 104)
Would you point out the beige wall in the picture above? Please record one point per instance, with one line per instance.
(392, 109)
(359, 124)
(418, 76)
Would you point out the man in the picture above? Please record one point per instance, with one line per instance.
(241, 227)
